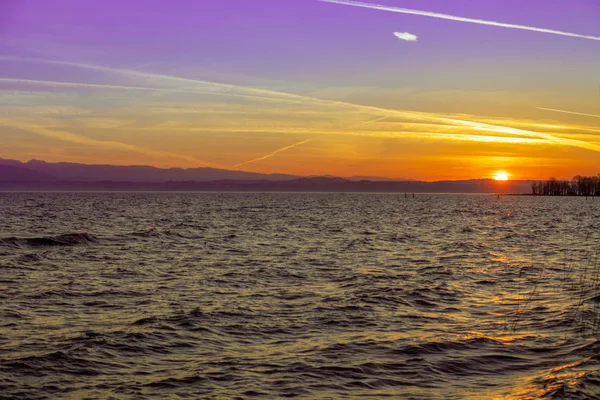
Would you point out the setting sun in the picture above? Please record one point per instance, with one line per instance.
(501, 176)
(202, 156)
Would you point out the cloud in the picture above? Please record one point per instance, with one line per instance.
(569, 112)
(550, 139)
(96, 86)
(206, 90)
(111, 145)
(370, 122)
(409, 37)
(217, 88)
(457, 18)
(347, 110)
(271, 154)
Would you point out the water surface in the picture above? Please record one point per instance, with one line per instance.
(208, 295)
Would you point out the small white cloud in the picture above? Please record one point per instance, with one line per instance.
(455, 18)
(406, 36)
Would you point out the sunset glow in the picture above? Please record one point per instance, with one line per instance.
(81, 88)
(501, 176)
(339, 199)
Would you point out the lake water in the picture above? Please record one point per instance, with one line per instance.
(214, 295)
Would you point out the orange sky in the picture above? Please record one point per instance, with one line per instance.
(272, 131)
(307, 88)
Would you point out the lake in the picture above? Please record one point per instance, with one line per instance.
(244, 295)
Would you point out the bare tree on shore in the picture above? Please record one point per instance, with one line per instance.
(578, 186)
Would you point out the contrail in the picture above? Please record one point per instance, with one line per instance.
(226, 89)
(252, 92)
(95, 85)
(568, 112)
(370, 122)
(457, 18)
(271, 154)
(74, 138)
(121, 87)
(402, 134)
(513, 131)
(265, 94)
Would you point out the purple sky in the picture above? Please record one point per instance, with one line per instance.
(317, 49)
(304, 40)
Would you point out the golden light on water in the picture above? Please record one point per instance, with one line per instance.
(501, 176)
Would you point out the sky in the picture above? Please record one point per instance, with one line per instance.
(409, 89)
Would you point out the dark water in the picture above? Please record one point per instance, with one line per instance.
(140, 295)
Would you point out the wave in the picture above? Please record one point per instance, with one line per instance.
(177, 382)
(182, 319)
(579, 380)
(214, 302)
(70, 239)
(82, 239)
(63, 293)
(61, 362)
(152, 232)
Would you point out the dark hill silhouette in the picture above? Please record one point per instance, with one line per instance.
(137, 173)
(40, 175)
(295, 185)
(12, 173)
(14, 163)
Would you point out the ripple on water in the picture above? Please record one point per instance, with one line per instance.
(297, 295)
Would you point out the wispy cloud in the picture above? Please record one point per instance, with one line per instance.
(409, 37)
(111, 145)
(550, 139)
(216, 88)
(271, 154)
(370, 122)
(568, 112)
(207, 88)
(328, 107)
(78, 85)
(458, 18)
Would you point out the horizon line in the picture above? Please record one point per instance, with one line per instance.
(351, 178)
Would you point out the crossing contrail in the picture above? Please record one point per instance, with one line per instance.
(106, 144)
(78, 85)
(370, 122)
(271, 154)
(568, 112)
(513, 131)
(218, 88)
(457, 18)
(265, 94)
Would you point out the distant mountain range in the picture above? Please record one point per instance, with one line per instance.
(41, 175)
(137, 173)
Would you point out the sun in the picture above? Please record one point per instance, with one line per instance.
(501, 176)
